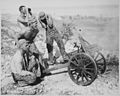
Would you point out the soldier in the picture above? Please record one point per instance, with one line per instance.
(28, 23)
(20, 75)
(52, 34)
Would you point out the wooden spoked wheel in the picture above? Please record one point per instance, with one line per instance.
(100, 61)
(82, 69)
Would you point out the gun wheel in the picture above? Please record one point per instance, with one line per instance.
(82, 69)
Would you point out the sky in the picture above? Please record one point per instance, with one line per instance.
(13, 5)
(6, 4)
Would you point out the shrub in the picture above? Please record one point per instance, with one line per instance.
(67, 31)
(112, 60)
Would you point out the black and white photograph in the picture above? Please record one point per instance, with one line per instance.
(59, 47)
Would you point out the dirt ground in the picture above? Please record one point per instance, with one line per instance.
(61, 84)
(101, 31)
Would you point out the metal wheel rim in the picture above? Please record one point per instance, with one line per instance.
(101, 62)
(83, 75)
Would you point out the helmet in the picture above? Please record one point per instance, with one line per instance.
(23, 44)
(41, 15)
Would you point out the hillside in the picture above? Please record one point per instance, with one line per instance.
(102, 31)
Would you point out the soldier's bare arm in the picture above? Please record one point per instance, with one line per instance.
(22, 21)
(50, 21)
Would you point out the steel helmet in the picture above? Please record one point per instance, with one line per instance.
(41, 15)
(23, 44)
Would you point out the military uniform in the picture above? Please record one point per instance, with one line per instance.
(18, 67)
(51, 35)
(29, 36)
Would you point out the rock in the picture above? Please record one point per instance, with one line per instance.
(13, 89)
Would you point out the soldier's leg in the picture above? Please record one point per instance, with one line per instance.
(61, 46)
(32, 63)
(49, 42)
(36, 53)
